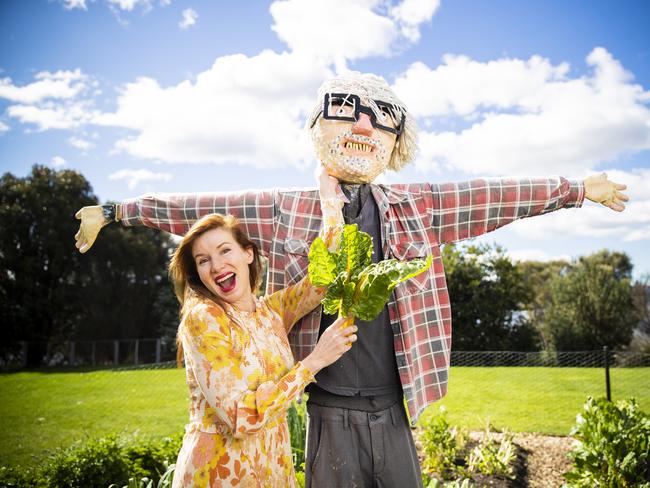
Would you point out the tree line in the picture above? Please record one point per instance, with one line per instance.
(119, 290)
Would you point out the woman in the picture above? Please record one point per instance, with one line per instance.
(240, 370)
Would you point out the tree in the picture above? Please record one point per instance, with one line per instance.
(50, 292)
(591, 304)
(487, 293)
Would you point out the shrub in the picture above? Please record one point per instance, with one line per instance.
(100, 462)
(97, 463)
(493, 457)
(442, 446)
(612, 446)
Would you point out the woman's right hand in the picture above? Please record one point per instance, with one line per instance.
(335, 341)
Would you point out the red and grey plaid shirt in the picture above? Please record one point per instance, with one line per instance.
(416, 219)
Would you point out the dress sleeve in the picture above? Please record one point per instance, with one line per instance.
(175, 213)
(471, 208)
(294, 301)
(217, 367)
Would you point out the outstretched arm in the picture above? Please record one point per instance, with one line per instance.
(472, 208)
(175, 213)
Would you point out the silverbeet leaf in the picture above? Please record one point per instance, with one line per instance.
(322, 264)
(377, 282)
(357, 286)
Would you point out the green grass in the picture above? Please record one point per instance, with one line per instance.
(43, 410)
(530, 399)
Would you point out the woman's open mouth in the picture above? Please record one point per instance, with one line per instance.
(226, 281)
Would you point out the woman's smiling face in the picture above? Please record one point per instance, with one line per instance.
(222, 266)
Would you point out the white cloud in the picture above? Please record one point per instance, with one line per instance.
(165, 3)
(3, 127)
(129, 5)
(72, 4)
(411, 13)
(536, 255)
(189, 18)
(595, 221)
(80, 144)
(134, 177)
(57, 161)
(58, 100)
(54, 116)
(243, 110)
(527, 116)
(340, 30)
(58, 85)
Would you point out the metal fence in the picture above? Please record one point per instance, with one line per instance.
(93, 353)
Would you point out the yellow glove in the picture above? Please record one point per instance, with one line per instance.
(92, 220)
(600, 190)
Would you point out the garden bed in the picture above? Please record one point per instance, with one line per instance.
(540, 461)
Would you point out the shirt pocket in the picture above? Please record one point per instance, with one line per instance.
(406, 251)
(296, 253)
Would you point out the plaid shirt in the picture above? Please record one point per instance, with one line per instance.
(415, 220)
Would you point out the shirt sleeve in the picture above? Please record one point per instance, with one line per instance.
(217, 366)
(294, 301)
(175, 213)
(469, 209)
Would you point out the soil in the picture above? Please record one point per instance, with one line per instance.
(540, 462)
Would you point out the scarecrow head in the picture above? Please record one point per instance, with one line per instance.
(360, 128)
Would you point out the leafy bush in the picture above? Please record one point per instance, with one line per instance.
(612, 446)
(442, 445)
(493, 457)
(100, 462)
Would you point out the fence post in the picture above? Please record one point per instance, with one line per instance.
(157, 351)
(71, 352)
(137, 350)
(607, 384)
(116, 352)
(94, 352)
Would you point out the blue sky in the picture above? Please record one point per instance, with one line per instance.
(184, 96)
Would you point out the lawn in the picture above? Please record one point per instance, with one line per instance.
(42, 410)
(531, 399)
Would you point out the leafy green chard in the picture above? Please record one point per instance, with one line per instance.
(357, 286)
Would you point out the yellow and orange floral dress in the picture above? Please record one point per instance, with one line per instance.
(242, 379)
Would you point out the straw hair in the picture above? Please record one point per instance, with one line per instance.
(370, 87)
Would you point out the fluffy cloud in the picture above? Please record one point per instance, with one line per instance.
(536, 255)
(3, 127)
(60, 100)
(54, 116)
(411, 13)
(596, 221)
(134, 177)
(245, 110)
(129, 5)
(80, 144)
(57, 161)
(59, 85)
(340, 30)
(527, 116)
(72, 4)
(189, 18)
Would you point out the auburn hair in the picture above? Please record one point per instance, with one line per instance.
(182, 266)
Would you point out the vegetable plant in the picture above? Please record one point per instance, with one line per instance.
(357, 287)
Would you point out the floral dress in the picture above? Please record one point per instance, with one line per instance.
(242, 379)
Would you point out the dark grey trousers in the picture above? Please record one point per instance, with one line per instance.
(351, 448)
